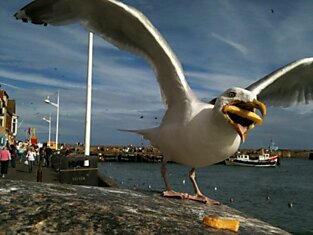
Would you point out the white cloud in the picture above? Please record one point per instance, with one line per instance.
(37, 79)
(4, 85)
(231, 43)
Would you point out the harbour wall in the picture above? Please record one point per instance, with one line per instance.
(42, 208)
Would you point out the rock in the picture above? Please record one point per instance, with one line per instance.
(42, 208)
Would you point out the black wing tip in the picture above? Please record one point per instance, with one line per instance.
(213, 101)
(25, 20)
(18, 16)
(39, 22)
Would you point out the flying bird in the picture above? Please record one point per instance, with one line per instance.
(192, 132)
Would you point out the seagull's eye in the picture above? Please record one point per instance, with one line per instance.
(231, 94)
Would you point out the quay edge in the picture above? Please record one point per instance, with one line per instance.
(43, 208)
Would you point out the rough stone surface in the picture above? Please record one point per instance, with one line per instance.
(42, 208)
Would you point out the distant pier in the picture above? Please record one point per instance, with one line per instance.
(151, 154)
(125, 153)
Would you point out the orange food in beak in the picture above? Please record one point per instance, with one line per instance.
(242, 116)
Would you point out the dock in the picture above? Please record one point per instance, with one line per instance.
(20, 172)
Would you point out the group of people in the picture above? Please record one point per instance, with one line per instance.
(29, 155)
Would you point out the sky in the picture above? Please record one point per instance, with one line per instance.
(220, 44)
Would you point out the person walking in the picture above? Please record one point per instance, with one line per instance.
(40, 163)
(5, 157)
(48, 152)
(13, 152)
(30, 157)
(20, 152)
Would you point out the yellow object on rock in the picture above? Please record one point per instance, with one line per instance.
(221, 223)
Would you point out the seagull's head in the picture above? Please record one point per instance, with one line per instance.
(239, 107)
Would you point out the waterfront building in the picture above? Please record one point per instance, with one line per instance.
(8, 118)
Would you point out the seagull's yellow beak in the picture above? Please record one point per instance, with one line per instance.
(242, 116)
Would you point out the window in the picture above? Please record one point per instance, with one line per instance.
(14, 129)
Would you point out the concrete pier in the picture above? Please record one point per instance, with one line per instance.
(45, 208)
(48, 207)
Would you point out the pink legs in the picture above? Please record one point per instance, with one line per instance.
(169, 192)
(198, 195)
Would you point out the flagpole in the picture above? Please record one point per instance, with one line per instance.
(88, 95)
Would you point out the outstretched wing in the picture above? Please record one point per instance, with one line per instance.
(123, 26)
(289, 85)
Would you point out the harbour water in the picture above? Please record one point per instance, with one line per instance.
(281, 196)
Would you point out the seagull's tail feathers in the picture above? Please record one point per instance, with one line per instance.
(149, 134)
(55, 12)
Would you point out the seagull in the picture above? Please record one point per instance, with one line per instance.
(192, 132)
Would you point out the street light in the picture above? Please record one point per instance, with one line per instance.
(88, 95)
(49, 121)
(57, 105)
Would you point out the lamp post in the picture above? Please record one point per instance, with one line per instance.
(49, 121)
(88, 95)
(57, 105)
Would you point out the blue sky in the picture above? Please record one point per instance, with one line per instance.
(221, 44)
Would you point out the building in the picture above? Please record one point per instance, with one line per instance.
(8, 119)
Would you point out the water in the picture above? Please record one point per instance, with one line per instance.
(264, 193)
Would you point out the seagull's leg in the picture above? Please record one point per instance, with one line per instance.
(198, 195)
(169, 192)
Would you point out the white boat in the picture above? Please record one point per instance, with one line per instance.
(262, 158)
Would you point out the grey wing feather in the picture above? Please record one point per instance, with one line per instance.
(289, 85)
(123, 26)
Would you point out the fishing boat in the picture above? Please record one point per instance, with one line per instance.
(260, 158)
